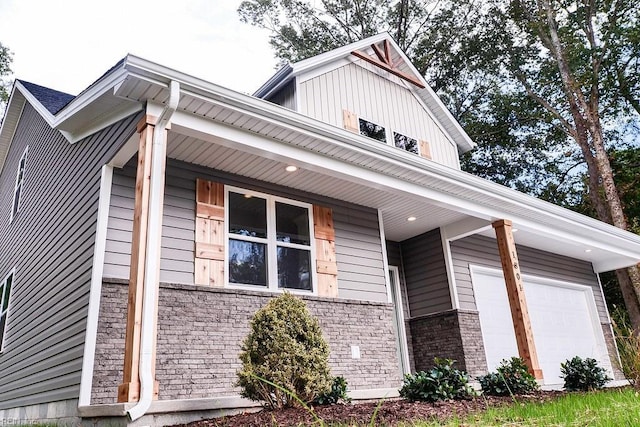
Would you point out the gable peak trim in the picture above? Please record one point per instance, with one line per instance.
(383, 60)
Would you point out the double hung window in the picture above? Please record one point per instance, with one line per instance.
(17, 191)
(5, 294)
(269, 241)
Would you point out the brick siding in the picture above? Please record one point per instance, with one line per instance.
(451, 334)
(200, 331)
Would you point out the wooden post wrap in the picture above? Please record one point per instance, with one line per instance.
(517, 299)
(129, 390)
(326, 264)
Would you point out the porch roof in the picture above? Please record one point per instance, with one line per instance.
(223, 129)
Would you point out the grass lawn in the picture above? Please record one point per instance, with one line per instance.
(620, 407)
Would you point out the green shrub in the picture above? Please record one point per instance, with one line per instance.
(285, 347)
(511, 377)
(583, 375)
(628, 346)
(337, 393)
(442, 382)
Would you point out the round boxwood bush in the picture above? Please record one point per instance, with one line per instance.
(442, 382)
(285, 347)
(583, 374)
(511, 377)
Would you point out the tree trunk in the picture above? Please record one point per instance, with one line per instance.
(628, 279)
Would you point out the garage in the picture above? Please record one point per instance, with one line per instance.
(563, 318)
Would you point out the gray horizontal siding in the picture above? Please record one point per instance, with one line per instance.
(50, 245)
(425, 274)
(483, 251)
(358, 245)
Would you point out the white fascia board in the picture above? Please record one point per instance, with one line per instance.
(78, 104)
(94, 91)
(566, 229)
(9, 124)
(574, 224)
(41, 109)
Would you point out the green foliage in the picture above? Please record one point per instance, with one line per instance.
(511, 378)
(337, 393)
(583, 375)
(285, 347)
(628, 347)
(442, 382)
(6, 58)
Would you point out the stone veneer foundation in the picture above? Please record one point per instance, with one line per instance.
(200, 331)
(451, 334)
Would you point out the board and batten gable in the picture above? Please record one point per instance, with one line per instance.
(360, 262)
(50, 244)
(374, 95)
(483, 251)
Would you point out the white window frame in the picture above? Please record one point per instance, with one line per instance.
(19, 184)
(7, 311)
(271, 242)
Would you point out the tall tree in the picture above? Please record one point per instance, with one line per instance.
(5, 70)
(542, 82)
(446, 43)
(560, 52)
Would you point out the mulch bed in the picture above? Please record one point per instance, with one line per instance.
(391, 412)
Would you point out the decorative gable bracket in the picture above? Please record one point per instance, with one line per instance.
(384, 61)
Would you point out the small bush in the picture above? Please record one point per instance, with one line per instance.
(511, 377)
(286, 347)
(583, 375)
(628, 347)
(442, 382)
(337, 393)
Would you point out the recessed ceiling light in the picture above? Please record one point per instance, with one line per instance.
(514, 230)
(587, 250)
(248, 196)
(411, 218)
(291, 168)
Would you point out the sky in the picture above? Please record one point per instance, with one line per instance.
(67, 44)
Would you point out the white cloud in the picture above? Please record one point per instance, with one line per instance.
(67, 44)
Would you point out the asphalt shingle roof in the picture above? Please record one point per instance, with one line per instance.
(52, 100)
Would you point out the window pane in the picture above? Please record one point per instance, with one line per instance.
(293, 268)
(3, 321)
(7, 290)
(292, 224)
(373, 130)
(247, 263)
(247, 215)
(405, 142)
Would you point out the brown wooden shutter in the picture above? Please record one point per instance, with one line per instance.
(326, 265)
(350, 121)
(425, 149)
(210, 247)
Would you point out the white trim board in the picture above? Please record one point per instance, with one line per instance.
(88, 360)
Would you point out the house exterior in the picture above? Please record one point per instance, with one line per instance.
(145, 220)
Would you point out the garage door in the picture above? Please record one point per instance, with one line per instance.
(563, 318)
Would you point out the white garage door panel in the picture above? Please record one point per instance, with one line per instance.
(563, 319)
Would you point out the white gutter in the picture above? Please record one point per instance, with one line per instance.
(152, 265)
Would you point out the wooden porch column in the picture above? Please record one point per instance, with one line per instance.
(517, 300)
(129, 390)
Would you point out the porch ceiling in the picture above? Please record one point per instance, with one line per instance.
(395, 206)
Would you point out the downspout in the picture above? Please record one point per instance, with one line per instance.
(152, 265)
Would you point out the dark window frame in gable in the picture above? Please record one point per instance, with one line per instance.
(19, 185)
